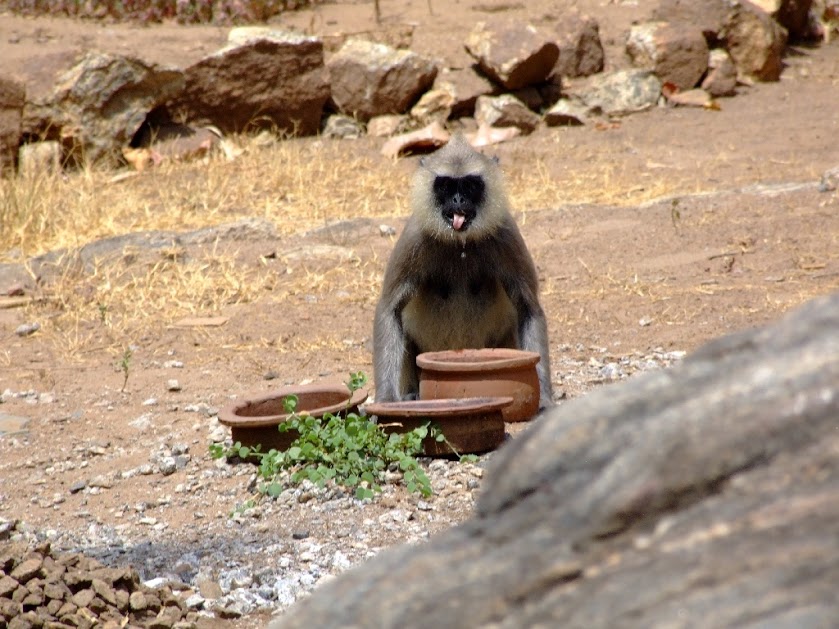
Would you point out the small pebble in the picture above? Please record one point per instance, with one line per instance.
(78, 486)
(27, 328)
(173, 385)
(167, 465)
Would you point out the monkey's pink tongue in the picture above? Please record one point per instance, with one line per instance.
(457, 221)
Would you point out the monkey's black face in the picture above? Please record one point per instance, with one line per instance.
(459, 199)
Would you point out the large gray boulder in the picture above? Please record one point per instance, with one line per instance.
(262, 79)
(370, 79)
(703, 495)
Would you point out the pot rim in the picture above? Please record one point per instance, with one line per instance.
(486, 359)
(444, 407)
(229, 416)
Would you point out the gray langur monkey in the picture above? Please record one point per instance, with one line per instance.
(460, 275)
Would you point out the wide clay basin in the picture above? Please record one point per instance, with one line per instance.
(469, 424)
(483, 373)
(254, 419)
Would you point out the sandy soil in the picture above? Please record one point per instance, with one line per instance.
(751, 237)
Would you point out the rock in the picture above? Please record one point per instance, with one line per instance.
(465, 85)
(435, 104)
(82, 598)
(696, 97)
(274, 79)
(339, 126)
(566, 112)
(513, 54)
(27, 569)
(102, 101)
(39, 158)
(829, 180)
(12, 99)
(370, 79)
(621, 92)
(708, 491)
(172, 141)
(505, 111)
(677, 53)
(387, 125)
(487, 136)
(426, 139)
(721, 79)
(39, 74)
(7, 586)
(27, 329)
(102, 481)
(78, 486)
(580, 49)
(167, 465)
(709, 16)
(755, 42)
(793, 15)
(173, 385)
(137, 601)
(209, 589)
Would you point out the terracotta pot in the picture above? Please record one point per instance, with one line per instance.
(469, 424)
(483, 373)
(253, 420)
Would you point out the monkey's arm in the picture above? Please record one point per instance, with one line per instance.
(522, 287)
(390, 347)
(392, 359)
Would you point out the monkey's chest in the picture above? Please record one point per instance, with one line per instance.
(447, 314)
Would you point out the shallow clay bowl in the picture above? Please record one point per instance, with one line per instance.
(483, 373)
(254, 419)
(469, 424)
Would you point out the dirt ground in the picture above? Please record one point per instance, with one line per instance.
(749, 237)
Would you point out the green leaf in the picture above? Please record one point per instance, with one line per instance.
(362, 492)
(274, 490)
(290, 403)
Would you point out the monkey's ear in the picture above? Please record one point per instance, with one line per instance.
(496, 159)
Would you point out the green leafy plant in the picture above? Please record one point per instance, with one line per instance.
(350, 451)
(125, 366)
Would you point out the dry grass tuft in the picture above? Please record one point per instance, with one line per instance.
(295, 184)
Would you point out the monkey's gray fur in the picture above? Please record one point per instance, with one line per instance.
(460, 275)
